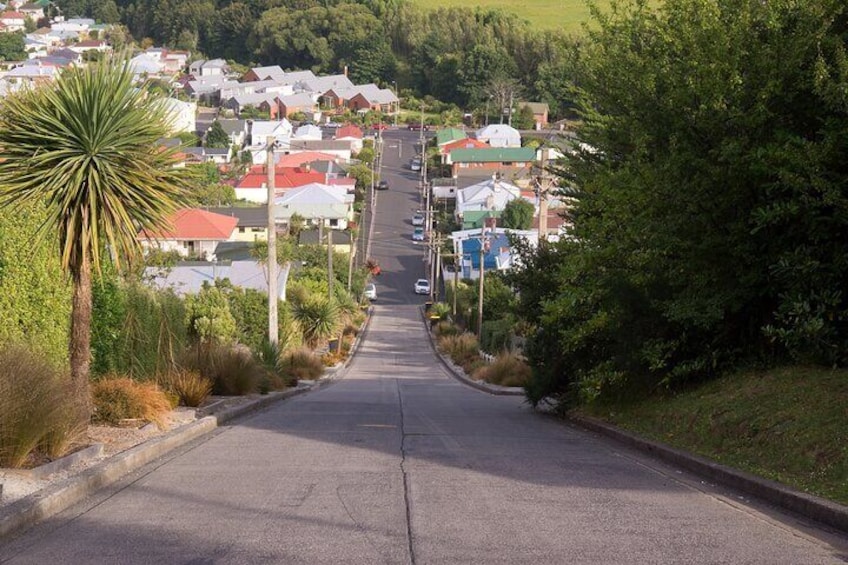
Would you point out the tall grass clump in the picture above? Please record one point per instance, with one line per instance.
(232, 370)
(118, 398)
(300, 364)
(189, 387)
(506, 370)
(460, 347)
(38, 410)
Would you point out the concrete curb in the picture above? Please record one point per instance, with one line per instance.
(815, 508)
(45, 503)
(460, 375)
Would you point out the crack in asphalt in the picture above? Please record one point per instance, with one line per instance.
(403, 472)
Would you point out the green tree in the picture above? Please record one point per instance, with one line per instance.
(208, 316)
(518, 214)
(85, 146)
(12, 46)
(217, 137)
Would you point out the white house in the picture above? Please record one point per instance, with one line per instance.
(317, 203)
(307, 131)
(489, 195)
(499, 135)
(182, 115)
(189, 279)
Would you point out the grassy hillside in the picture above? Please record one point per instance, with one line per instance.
(789, 425)
(545, 14)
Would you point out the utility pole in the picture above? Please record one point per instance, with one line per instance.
(273, 326)
(437, 269)
(329, 262)
(543, 185)
(509, 121)
(397, 103)
(480, 290)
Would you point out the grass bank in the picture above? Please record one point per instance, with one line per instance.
(567, 15)
(789, 425)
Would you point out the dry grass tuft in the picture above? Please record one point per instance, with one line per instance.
(119, 398)
(300, 364)
(506, 370)
(190, 387)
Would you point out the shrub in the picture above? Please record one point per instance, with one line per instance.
(190, 387)
(444, 329)
(232, 371)
(461, 347)
(36, 410)
(507, 370)
(300, 364)
(119, 398)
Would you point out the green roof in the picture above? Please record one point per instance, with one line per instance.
(474, 218)
(494, 155)
(449, 134)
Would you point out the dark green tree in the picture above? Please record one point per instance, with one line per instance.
(517, 214)
(217, 137)
(12, 46)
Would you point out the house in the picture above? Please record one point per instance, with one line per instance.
(465, 143)
(217, 155)
(317, 86)
(145, 65)
(261, 101)
(512, 160)
(32, 10)
(330, 169)
(341, 238)
(540, 112)
(340, 149)
(172, 62)
(212, 67)
(90, 45)
(260, 130)
(192, 233)
(253, 187)
(74, 25)
(29, 74)
(495, 243)
(499, 135)
(308, 131)
(482, 200)
(351, 134)
(73, 57)
(182, 115)
(449, 135)
(13, 21)
(303, 157)
(236, 130)
(295, 103)
(274, 73)
(207, 87)
(189, 278)
(252, 223)
(318, 203)
(381, 100)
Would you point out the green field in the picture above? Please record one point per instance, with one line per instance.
(545, 14)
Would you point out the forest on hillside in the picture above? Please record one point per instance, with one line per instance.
(457, 55)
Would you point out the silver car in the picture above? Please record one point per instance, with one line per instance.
(422, 286)
(370, 292)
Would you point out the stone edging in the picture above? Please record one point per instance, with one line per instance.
(779, 495)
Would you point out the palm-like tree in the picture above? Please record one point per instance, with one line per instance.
(86, 148)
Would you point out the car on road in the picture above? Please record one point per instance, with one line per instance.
(422, 286)
(418, 219)
(370, 292)
(417, 127)
(379, 127)
(383, 185)
(415, 164)
(418, 234)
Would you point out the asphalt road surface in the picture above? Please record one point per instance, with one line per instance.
(397, 462)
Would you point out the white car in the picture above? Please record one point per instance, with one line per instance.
(418, 234)
(415, 164)
(418, 219)
(422, 286)
(370, 292)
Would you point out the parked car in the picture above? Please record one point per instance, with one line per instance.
(415, 164)
(379, 127)
(370, 292)
(418, 219)
(418, 234)
(383, 185)
(413, 126)
(422, 286)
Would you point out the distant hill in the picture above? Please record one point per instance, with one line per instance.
(546, 14)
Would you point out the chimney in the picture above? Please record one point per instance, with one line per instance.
(345, 70)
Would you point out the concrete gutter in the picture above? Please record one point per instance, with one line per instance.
(813, 507)
(45, 503)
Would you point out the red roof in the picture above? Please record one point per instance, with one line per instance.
(195, 224)
(349, 130)
(13, 16)
(298, 159)
(466, 143)
(285, 177)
